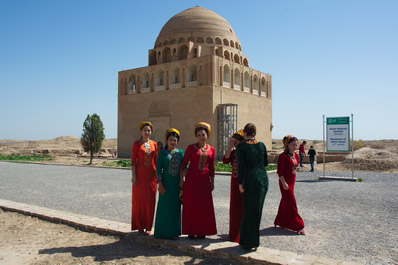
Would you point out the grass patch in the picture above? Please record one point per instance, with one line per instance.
(221, 167)
(118, 163)
(16, 157)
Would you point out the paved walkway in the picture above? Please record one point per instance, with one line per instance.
(338, 215)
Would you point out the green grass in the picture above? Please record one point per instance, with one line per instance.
(16, 157)
(221, 167)
(118, 163)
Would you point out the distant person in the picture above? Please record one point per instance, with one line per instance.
(160, 146)
(302, 152)
(144, 156)
(288, 216)
(253, 184)
(198, 217)
(236, 199)
(312, 154)
(168, 212)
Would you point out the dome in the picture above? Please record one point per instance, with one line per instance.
(196, 22)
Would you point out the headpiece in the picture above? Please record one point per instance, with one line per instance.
(170, 131)
(203, 125)
(144, 123)
(288, 139)
(239, 134)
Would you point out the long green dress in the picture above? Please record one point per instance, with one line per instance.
(252, 160)
(168, 212)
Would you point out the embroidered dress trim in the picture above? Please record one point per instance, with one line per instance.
(203, 152)
(174, 163)
(235, 167)
(251, 141)
(148, 154)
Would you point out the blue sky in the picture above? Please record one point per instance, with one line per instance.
(59, 61)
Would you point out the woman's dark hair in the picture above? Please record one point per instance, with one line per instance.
(250, 129)
(201, 128)
(238, 137)
(172, 134)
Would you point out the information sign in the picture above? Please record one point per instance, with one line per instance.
(338, 134)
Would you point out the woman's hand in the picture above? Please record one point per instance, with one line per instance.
(134, 179)
(161, 188)
(232, 142)
(285, 186)
(241, 189)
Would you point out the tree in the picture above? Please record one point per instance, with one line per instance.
(93, 135)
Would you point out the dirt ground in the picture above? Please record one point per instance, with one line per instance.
(29, 240)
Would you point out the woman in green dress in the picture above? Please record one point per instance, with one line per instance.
(168, 213)
(253, 184)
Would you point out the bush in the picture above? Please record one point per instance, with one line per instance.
(358, 144)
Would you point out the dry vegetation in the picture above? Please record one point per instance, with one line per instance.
(378, 155)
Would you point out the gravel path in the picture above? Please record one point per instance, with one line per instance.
(344, 220)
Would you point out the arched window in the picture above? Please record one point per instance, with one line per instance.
(191, 39)
(245, 62)
(181, 40)
(132, 85)
(226, 42)
(199, 40)
(236, 58)
(183, 52)
(227, 76)
(145, 82)
(237, 79)
(160, 44)
(174, 51)
(236, 45)
(166, 55)
(195, 52)
(232, 44)
(152, 58)
(226, 55)
(263, 87)
(192, 74)
(175, 76)
(173, 41)
(218, 40)
(247, 80)
(160, 78)
(165, 42)
(255, 85)
(209, 40)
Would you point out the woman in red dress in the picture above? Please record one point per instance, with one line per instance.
(288, 216)
(198, 218)
(144, 156)
(236, 199)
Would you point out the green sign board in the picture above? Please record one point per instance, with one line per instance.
(338, 134)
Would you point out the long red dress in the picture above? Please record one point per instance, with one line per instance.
(288, 216)
(235, 201)
(198, 218)
(144, 157)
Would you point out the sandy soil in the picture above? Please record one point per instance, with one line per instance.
(29, 240)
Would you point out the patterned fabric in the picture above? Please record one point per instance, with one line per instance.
(174, 162)
(148, 155)
(203, 156)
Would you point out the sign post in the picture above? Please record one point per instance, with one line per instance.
(338, 137)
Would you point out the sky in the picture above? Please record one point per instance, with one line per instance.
(59, 61)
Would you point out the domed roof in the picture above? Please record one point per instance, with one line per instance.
(196, 22)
